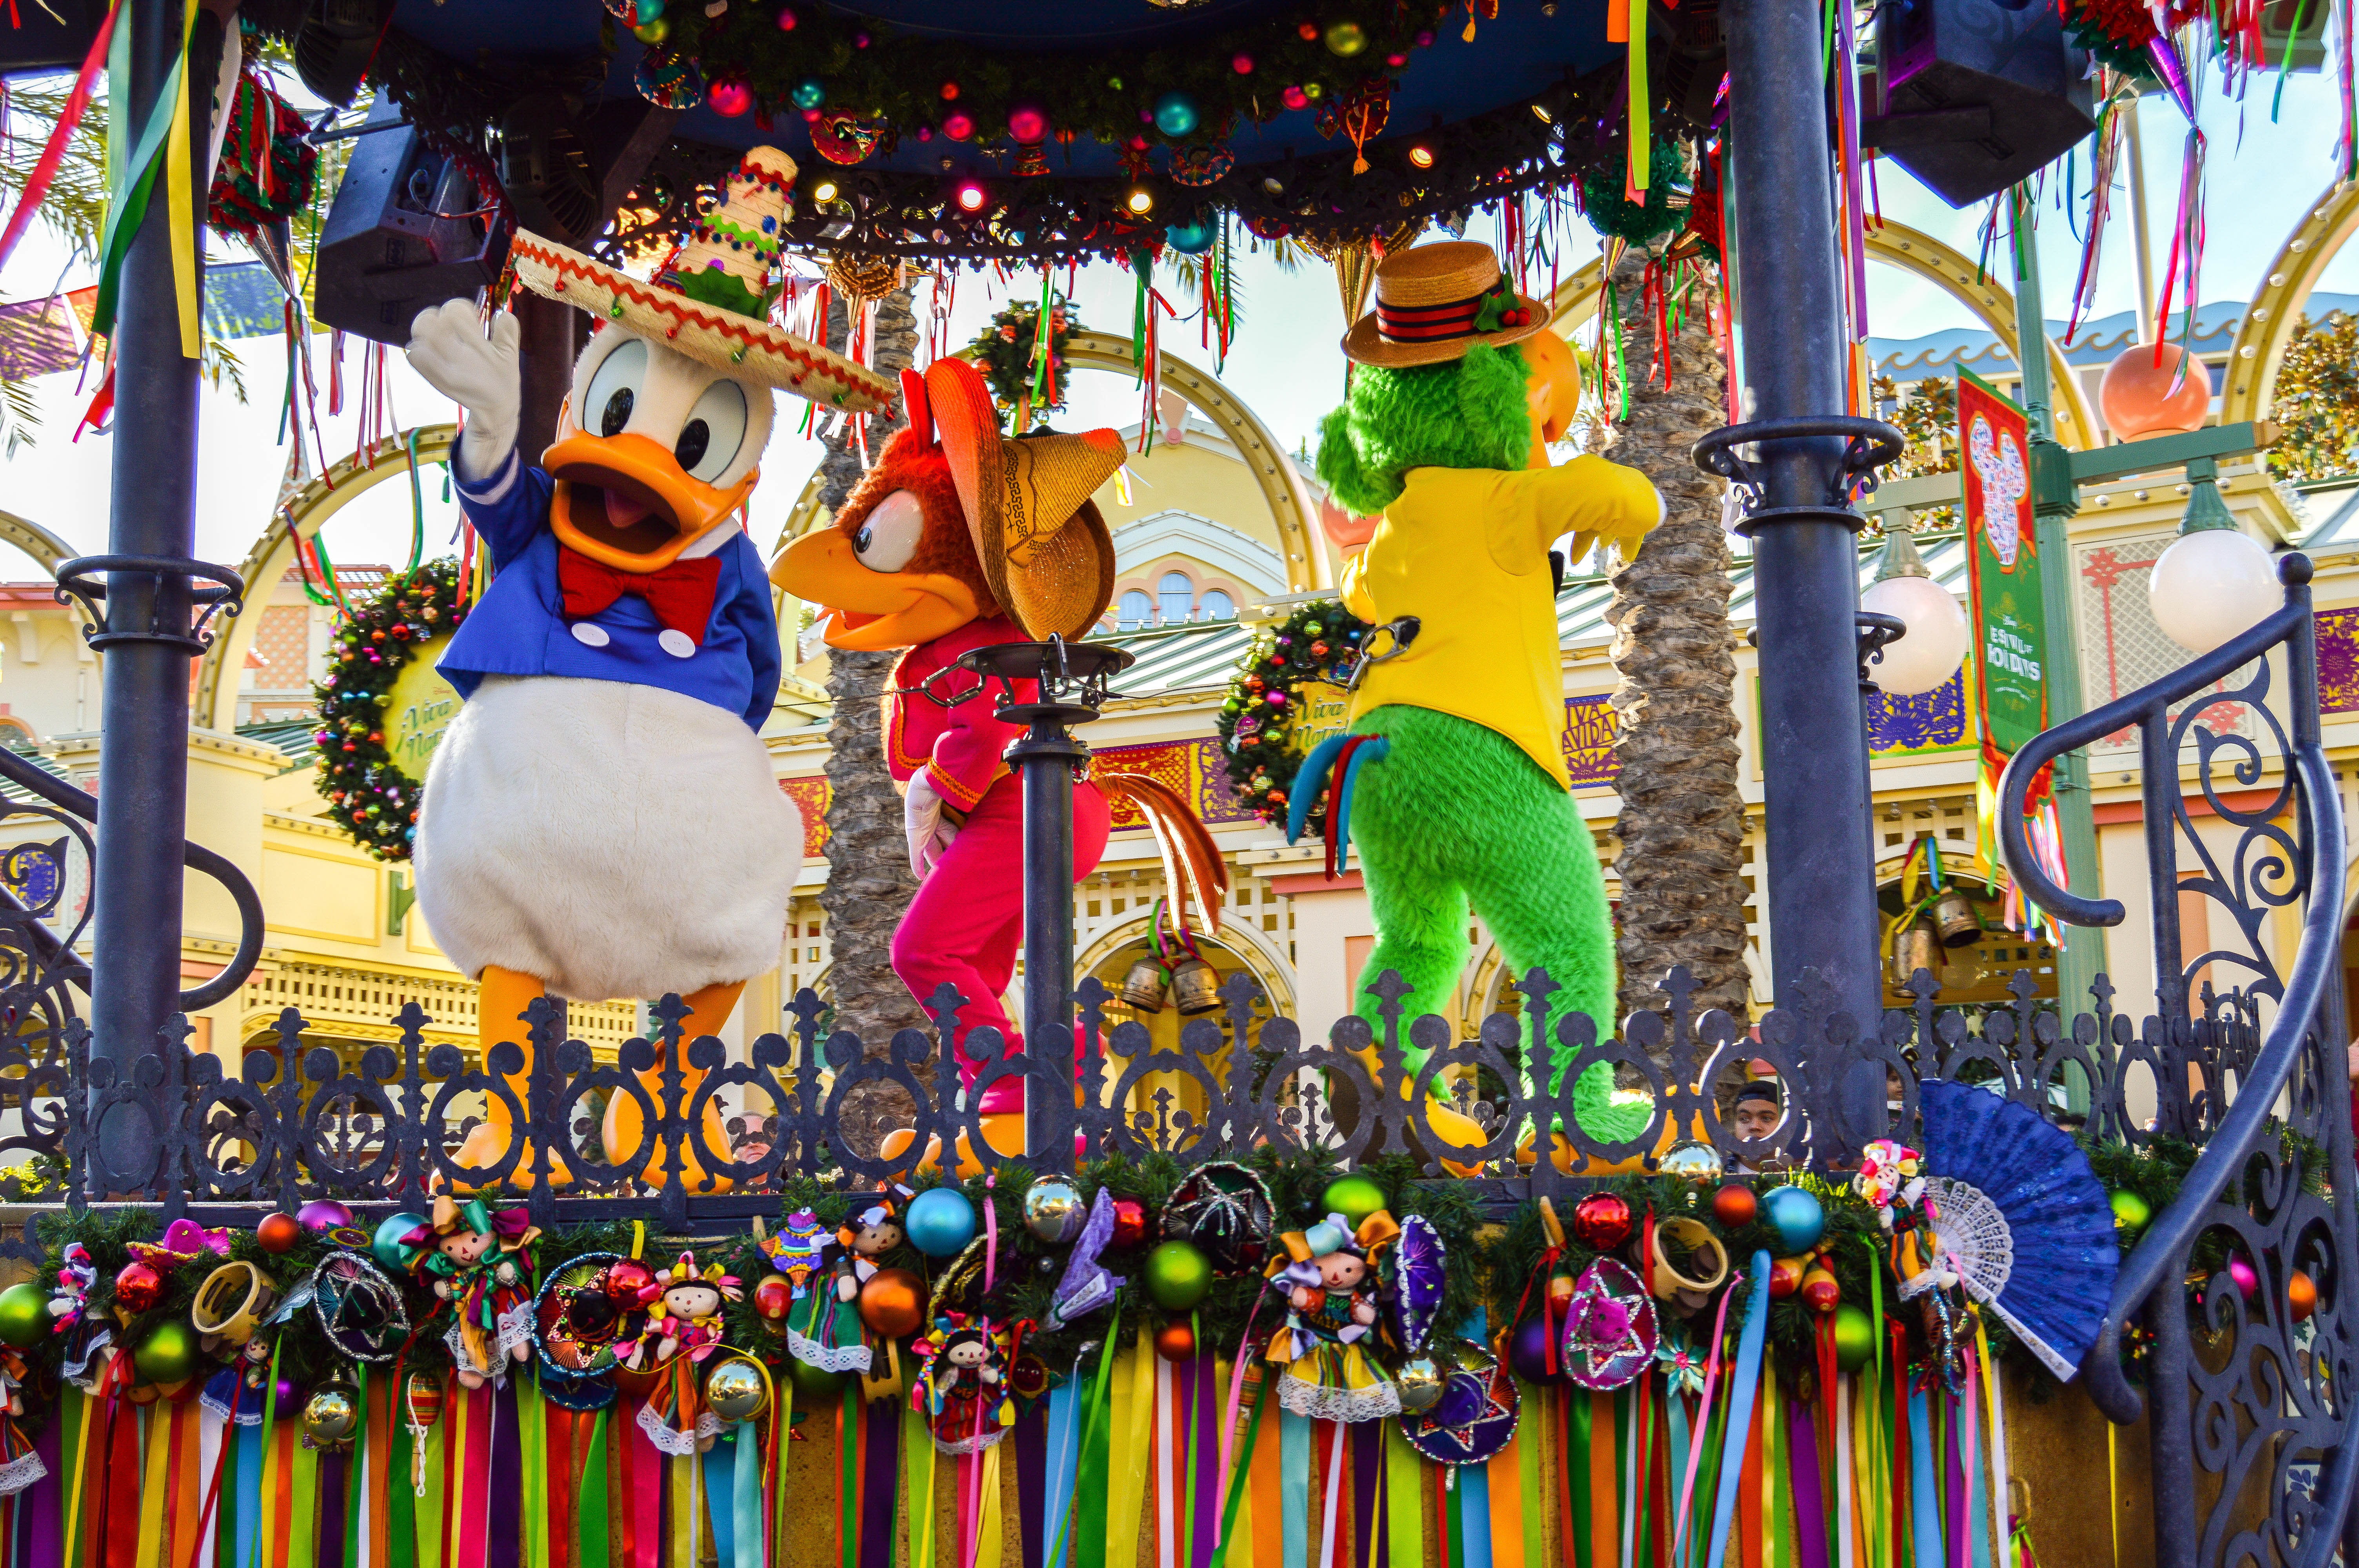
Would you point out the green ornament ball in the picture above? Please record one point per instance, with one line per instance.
(1346, 39)
(1313, 629)
(814, 1382)
(1854, 1337)
(2131, 1213)
(1354, 1198)
(1179, 1276)
(170, 1354)
(23, 1316)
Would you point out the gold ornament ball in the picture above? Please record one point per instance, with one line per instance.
(737, 1391)
(169, 1354)
(653, 32)
(1690, 1160)
(1346, 39)
(1419, 1383)
(330, 1417)
(1053, 1212)
(1354, 1198)
(892, 1303)
(23, 1316)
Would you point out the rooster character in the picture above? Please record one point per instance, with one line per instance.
(957, 539)
(602, 820)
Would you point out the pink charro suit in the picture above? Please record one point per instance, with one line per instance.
(968, 917)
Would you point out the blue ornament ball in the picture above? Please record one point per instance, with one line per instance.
(1192, 239)
(810, 93)
(939, 1222)
(1795, 1216)
(388, 1244)
(1176, 113)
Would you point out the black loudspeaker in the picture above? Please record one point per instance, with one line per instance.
(545, 170)
(336, 42)
(407, 230)
(1975, 96)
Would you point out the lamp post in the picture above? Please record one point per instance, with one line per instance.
(1817, 827)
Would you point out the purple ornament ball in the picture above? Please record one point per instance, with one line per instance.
(1527, 1352)
(323, 1214)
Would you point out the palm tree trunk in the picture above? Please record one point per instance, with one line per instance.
(1683, 825)
(869, 884)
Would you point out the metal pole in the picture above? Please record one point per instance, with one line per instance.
(1044, 758)
(1818, 829)
(2054, 500)
(144, 763)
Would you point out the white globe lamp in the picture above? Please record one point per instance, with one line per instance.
(2216, 581)
(1935, 646)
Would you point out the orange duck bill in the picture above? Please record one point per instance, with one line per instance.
(625, 500)
(871, 611)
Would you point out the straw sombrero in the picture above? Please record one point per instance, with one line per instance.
(1436, 301)
(712, 300)
(1044, 547)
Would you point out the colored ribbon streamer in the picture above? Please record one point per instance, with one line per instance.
(1748, 1374)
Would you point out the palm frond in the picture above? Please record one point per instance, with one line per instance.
(74, 207)
(20, 417)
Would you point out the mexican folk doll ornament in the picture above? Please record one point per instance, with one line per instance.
(963, 1388)
(683, 1305)
(475, 1257)
(825, 1331)
(1328, 1284)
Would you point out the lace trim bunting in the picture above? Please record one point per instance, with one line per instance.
(828, 1357)
(20, 1473)
(668, 1439)
(1322, 1404)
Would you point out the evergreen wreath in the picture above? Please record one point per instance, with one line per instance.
(1004, 352)
(369, 794)
(1319, 641)
(1615, 216)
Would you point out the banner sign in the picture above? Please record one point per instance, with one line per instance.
(2010, 624)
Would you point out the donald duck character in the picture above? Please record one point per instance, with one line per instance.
(601, 820)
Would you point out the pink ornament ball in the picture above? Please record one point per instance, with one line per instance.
(2248, 1283)
(730, 97)
(1242, 64)
(1027, 123)
(958, 125)
(786, 18)
(1295, 98)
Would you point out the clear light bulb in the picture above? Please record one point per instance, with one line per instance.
(2211, 586)
(1935, 646)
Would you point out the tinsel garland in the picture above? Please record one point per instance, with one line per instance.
(1319, 641)
(369, 792)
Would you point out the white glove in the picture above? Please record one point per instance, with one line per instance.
(922, 822)
(448, 348)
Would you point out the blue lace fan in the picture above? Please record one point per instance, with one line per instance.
(2021, 1212)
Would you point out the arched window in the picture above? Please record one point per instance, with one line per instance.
(1135, 610)
(1218, 606)
(1175, 596)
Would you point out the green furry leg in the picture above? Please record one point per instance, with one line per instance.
(1457, 812)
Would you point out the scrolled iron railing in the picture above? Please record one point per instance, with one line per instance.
(2264, 1392)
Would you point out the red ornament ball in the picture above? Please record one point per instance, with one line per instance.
(1307, 31)
(139, 1288)
(1129, 1223)
(625, 1280)
(774, 1298)
(1175, 1342)
(1734, 1205)
(278, 1232)
(949, 91)
(1602, 1221)
(786, 19)
(1242, 64)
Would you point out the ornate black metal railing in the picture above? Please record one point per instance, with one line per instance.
(2241, 1391)
(2264, 1396)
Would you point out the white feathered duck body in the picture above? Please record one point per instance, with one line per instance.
(601, 819)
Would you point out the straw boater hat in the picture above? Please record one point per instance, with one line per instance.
(712, 301)
(1436, 301)
(1044, 547)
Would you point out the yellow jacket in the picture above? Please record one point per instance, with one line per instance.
(1465, 551)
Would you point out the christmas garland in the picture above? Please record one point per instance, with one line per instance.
(1005, 352)
(369, 792)
(267, 166)
(1665, 210)
(806, 56)
(1319, 641)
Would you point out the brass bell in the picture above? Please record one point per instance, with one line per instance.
(1915, 947)
(1953, 914)
(1195, 987)
(1144, 987)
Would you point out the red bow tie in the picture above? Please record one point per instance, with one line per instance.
(680, 594)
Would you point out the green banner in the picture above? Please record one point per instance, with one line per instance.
(2010, 621)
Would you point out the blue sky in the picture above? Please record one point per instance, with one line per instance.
(2264, 176)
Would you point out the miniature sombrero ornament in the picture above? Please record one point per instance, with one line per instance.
(1609, 1331)
(1475, 1417)
(712, 300)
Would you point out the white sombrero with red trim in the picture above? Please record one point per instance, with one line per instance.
(712, 300)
